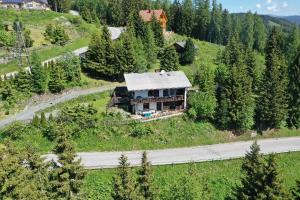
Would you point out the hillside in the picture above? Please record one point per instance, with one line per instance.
(293, 18)
(36, 21)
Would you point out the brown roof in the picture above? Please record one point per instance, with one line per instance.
(146, 15)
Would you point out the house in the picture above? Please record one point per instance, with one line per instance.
(157, 92)
(25, 4)
(160, 15)
(179, 46)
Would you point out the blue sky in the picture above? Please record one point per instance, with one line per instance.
(273, 7)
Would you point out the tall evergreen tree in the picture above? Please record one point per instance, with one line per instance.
(214, 32)
(202, 17)
(226, 27)
(235, 98)
(124, 186)
(150, 45)
(189, 53)
(23, 81)
(66, 177)
(169, 60)
(247, 34)
(177, 21)
(145, 179)
(39, 76)
(158, 32)
(56, 79)
(272, 101)
(294, 93)
(293, 43)
(188, 17)
(260, 35)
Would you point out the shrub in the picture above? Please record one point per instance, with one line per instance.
(140, 130)
(15, 131)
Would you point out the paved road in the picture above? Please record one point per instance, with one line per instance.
(102, 160)
(29, 112)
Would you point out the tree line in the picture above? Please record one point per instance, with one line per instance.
(53, 77)
(239, 96)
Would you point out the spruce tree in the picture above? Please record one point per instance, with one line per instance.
(169, 60)
(124, 186)
(214, 32)
(56, 79)
(272, 101)
(39, 77)
(202, 20)
(23, 81)
(247, 34)
(226, 27)
(293, 42)
(145, 179)
(158, 32)
(189, 53)
(150, 45)
(35, 121)
(252, 181)
(188, 17)
(235, 99)
(260, 34)
(294, 93)
(43, 121)
(66, 177)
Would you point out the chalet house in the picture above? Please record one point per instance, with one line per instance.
(160, 15)
(157, 92)
(25, 4)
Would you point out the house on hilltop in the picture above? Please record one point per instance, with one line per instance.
(155, 93)
(25, 4)
(160, 15)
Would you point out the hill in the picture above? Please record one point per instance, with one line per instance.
(293, 18)
(36, 21)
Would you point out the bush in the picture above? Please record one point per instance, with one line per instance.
(140, 130)
(15, 131)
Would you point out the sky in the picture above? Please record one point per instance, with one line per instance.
(271, 7)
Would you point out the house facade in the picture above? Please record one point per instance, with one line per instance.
(157, 92)
(25, 4)
(160, 15)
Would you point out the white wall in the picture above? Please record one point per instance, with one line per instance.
(139, 107)
(153, 106)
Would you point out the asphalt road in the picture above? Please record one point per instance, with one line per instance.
(29, 112)
(102, 160)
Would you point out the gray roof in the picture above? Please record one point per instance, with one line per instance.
(183, 43)
(156, 80)
(116, 32)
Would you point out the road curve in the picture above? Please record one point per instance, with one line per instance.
(226, 151)
(29, 112)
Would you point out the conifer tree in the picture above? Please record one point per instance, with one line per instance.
(260, 34)
(226, 27)
(27, 39)
(214, 32)
(294, 93)
(39, 77)
(169, 60)
(23, 81)
(150, 45)
(188, 17)
(177, 22)
(124, 186)
(66, 177)
(189, 53)
(235, 99)
(145, 179)
(202, 20)
(56, 80)
(43, 121)
(247, 33)
(293, 43)
(158, 32)
(252, 182)
(272, 101)
(35, 121)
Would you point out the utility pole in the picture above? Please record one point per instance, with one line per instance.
(20, 44)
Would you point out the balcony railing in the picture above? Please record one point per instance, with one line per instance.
(157, 99)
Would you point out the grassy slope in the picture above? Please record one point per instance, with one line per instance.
(220, 175)
(36, 21)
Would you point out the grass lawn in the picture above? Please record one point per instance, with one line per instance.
(170, 133)
(221, 176)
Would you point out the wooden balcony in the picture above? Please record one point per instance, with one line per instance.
(158, 99)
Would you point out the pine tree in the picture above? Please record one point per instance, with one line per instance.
(235, 99)
(294, 93)
(39, 77)
(293, 43)
(272, 181)
(66, 177)
(272, 101)
(169, 60)
(124, 186)
(177, 22)
(56, 80)
(189, 53)
(252, 69)
(214, 32)
(260, 35)
(23, 82)
(188, 17)
(150, 45)
(202, 20)
(43, 121)
(145, 179)
(252, 182)
(35, 121)
(158, 32)
(247, 33)
(226, 27)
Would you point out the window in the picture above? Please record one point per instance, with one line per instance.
(166, 93)
(146, 106)
(153, 93)
(173, 92)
